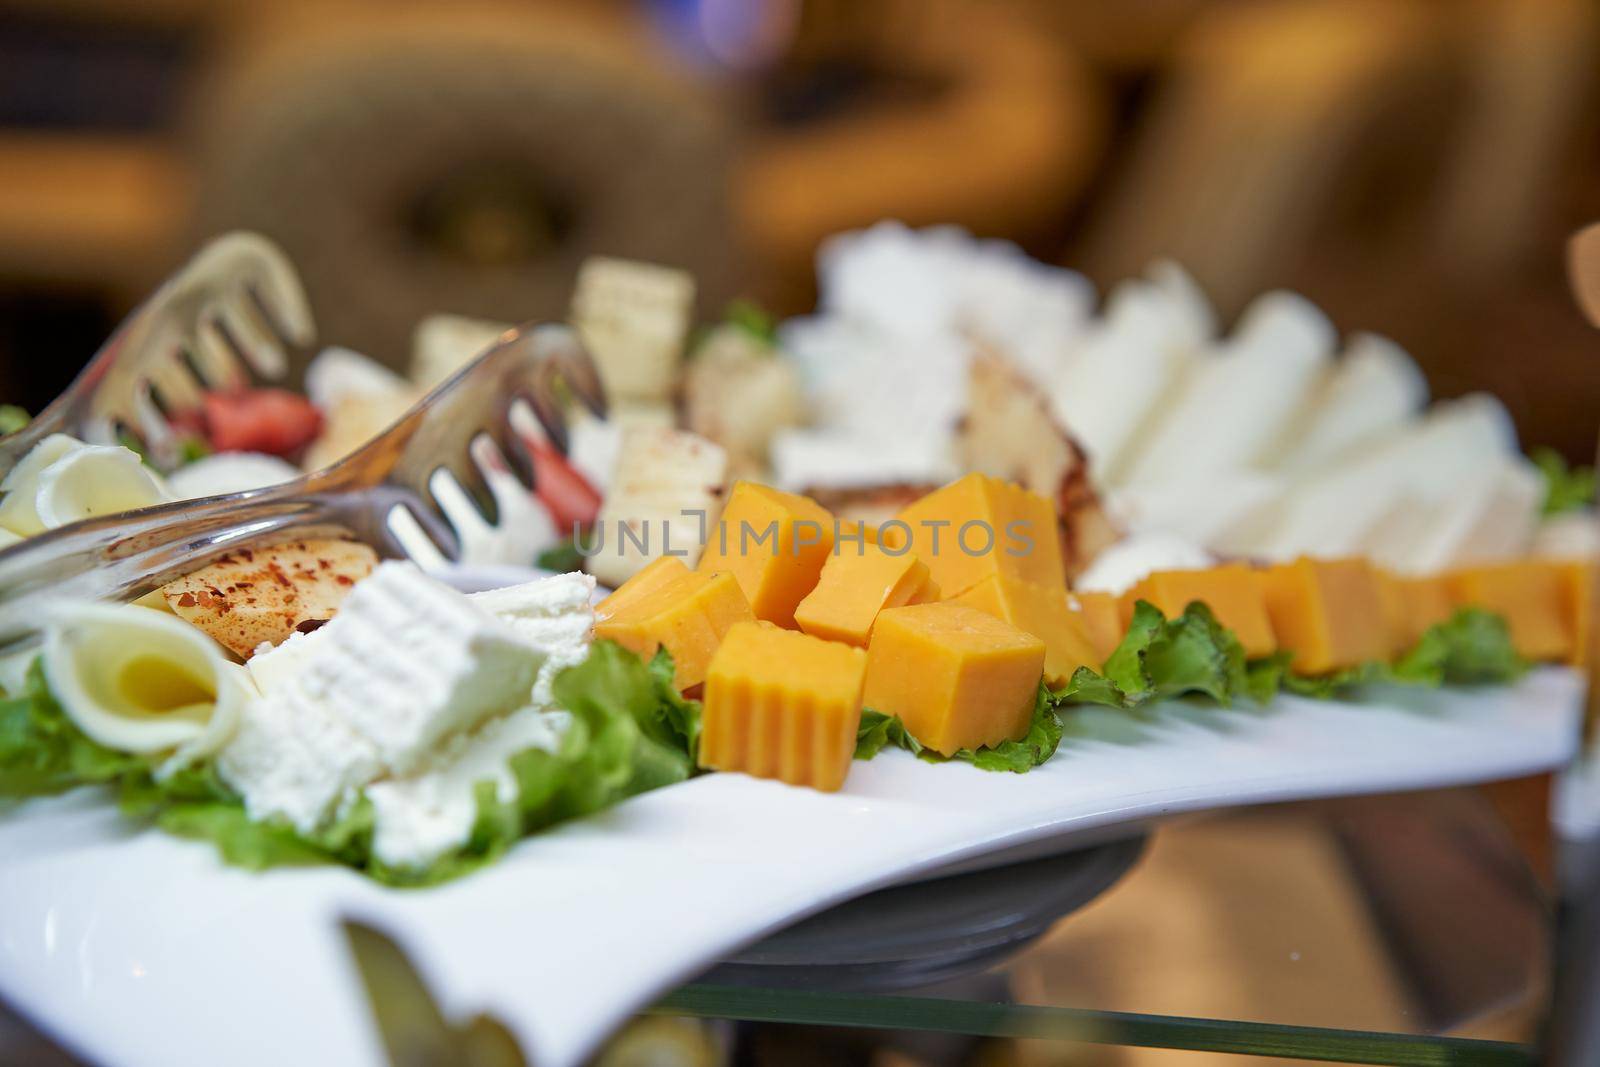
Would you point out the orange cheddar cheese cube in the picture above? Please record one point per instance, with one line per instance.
(774, 544)
(1412, 606)
(1328, 613)
(1577, 600)
(855, 586)
(1102, 619)
(1528, 594)
(780, 704)
(654, 575)
(977, 527)
(1231, 591)
(1042, 611)
(688, 616)
(956, 676)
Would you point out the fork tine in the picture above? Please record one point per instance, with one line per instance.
(460, 510)
(218, 363)
(522, 524)
(254, 340)
(413, 540)
(281, 299)
(174, 386)
(155, 432)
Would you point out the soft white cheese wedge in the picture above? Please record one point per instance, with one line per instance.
(881, 390)
(554, 616)
(1203, 512)
(423, 815)
(229, 472)
(810, 459)
(899, 280)
(273, 667)
(1194, 320)
(1491, 515)
(406, 662)
(1124, 370)
(1333, 512)
(96, 480)
(143, 681)
(1242, 398)
(1374, 390)
(409, 661)
(1121, 567)
(18, 505)
(296, 758)
(1031, 312)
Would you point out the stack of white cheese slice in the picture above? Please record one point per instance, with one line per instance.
(1263, 441)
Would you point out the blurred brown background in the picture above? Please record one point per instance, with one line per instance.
(1412, 165)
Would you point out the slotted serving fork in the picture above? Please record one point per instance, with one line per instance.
(236, 304)
(452, 468)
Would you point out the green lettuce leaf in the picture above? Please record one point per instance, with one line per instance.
(1039, 744)
(878, 730)
(613, 679)
(1161, 658)
(681, 716)
(1472, 647)
(13, 418)
(42, 751)
(1087, 687)
(1565, 488)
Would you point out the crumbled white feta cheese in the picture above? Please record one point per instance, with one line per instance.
(273, 666)
(407, 662)
(553, 615)
(427, 813)
(296, 757)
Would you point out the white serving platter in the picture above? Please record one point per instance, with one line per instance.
(136, 949)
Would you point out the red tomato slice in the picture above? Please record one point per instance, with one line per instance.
(567, 495)
(274, 421)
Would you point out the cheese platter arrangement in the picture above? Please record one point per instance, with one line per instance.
(957, 569)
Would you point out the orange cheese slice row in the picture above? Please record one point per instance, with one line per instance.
(1577, 602)
(688, 616)
(774, 544)
(1328, 613)
(1411, 606)
(1529, 594)
(785, 705)
(956, 676)
(1042, 611)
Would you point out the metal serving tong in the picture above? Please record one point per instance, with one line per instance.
(445, 471)
(237, 303)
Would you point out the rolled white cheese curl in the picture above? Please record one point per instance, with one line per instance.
(143, 681)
